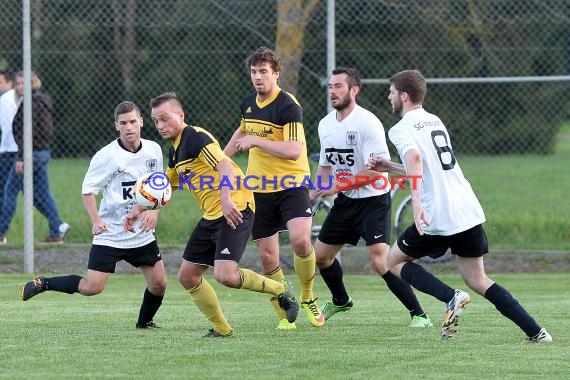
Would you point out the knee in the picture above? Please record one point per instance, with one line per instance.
(187, 280)
(479, 284)
(323, 261)
(378, 258)
(227, 279)
(158, 288)
(91, 289)
(301, 245)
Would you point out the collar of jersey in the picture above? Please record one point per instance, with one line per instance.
(268, 100)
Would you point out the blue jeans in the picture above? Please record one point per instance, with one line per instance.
(7, 160)
(43, 200)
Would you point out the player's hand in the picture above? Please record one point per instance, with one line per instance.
(99, 227)
(131, 218)
(377, 163)
(148, 220)
(328, 192)
(313, 194)
(233, 216)
(246, 142)
(420, 217)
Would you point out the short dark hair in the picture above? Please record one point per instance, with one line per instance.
(411, 82)
(165, 97)
(126, 107)
(6, 74)
(264, 54)
(352, 76)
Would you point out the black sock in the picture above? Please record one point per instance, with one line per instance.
(332, 276)
(404, 293)
(65, 284)
(415, 275)
(149, 307)
(512, 309)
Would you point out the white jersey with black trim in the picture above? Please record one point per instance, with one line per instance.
(114, 171)
(348, 144)
(448, 199)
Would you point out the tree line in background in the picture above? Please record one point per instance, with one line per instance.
(91, 55)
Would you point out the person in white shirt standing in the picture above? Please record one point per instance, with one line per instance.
(349, 135)
(114, 171)
(9, 102)
(447, 214)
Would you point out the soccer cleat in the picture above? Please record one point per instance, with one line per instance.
(420, 321)
(542, 337)
(285, 325)
(288, 302)
(453, 312)
(3, 240)
(214, 334)
(148, 325)
(314, 314)
(33, 288)
(330, 309)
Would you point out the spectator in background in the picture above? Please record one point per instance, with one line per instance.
(9, 101)
(42, 132)
(5, 81)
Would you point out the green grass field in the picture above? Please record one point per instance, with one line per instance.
(56, 336)
(524, 198)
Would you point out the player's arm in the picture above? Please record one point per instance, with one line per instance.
(232, 147)
(415, 170)
(231, 213)
(90, 204)
(324, 182)
(381, 164)
(289, 150)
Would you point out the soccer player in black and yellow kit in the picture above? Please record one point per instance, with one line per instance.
(197, 163)
(272, 131)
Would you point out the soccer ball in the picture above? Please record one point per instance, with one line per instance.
(153, 190)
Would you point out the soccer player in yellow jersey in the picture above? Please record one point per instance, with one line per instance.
(272, 131)
(197, 163)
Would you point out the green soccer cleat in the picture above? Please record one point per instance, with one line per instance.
(420, 321)
(330, 309)
(286, 325)
(314, 314)
(33, 288)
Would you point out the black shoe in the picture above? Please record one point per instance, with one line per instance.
(148, 325)
(33, 288)
(288, 302)
(214, 334)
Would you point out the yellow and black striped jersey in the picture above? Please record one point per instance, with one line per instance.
(279, 118)
(191, 162)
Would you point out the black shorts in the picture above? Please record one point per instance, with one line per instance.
(274, 210)
(350, 219)
(214, 240)
(103, 258)
(469, 243)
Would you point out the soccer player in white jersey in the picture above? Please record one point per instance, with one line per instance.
(113, 171)
(349, 135)
(447, 214)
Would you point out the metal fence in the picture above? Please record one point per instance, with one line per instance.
(92, 54)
